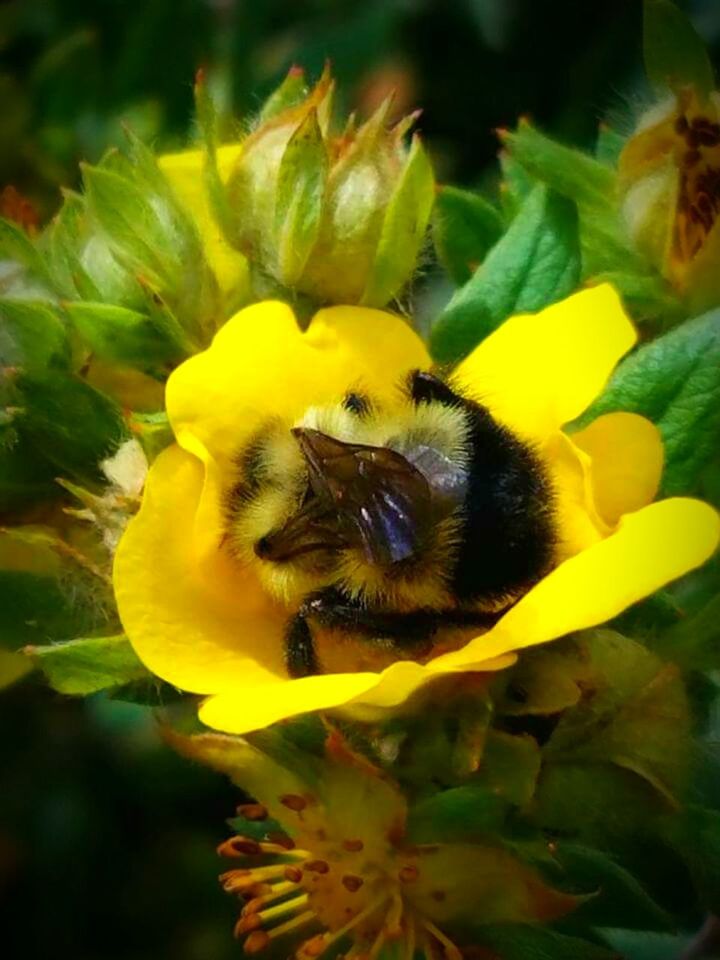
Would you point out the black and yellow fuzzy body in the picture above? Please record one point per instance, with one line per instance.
(393, 527)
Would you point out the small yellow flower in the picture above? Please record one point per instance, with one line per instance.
(201, 619)
(344, 871)
(670, 181)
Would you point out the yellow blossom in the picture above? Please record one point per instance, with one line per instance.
(670, 182)
(344, 869)
(199, 618)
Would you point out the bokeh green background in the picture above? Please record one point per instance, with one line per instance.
(106, 838)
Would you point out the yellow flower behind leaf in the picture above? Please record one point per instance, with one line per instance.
(200, 618)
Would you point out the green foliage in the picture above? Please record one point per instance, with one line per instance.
(540, 943)
(465, 227)
(675, 56)
(695, 834)
(534, 264)
(88, 665)
(675, 382)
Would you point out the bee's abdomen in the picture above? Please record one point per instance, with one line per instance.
(509, 533)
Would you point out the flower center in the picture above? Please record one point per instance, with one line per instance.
(356, 890)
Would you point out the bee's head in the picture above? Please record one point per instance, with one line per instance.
(355, 495)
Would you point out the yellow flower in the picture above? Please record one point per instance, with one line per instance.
(345, 867)
(670, 181)
(185, 173)
(200, 618)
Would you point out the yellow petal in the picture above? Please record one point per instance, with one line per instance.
(261, 366)
(579, 523)
(203, 624)
(185, 173)
(539, 371)
(649, 549)
(626, 453)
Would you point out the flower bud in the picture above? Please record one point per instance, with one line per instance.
(669, 177)
(338, 218)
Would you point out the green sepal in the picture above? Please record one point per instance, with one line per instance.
(465, 227)
(536, 263)
(208, 123)
(88, 665)
(515, 185)
(674, 54)
(675, 382)
(403, 229)
(299, 198)
(32, 337)
(609, 146)
(694, 642)
(289, 93)
(124, 336)
(154, 432)
(16, 245)
(458, 814)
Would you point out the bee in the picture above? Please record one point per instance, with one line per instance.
(391, 526)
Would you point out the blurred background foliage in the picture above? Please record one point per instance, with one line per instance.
(106, 838)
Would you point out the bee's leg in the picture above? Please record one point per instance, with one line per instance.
(426, 388)
(300, 657)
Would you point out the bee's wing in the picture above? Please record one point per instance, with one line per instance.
(382, 501)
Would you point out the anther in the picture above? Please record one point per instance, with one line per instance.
(317, 866)
(239, 847)
(353, 846)
(282, 840)
(252, 811)
(408, 874)
(438, 895)
(256, 942)
(248, 923)
(294, 874)
(313, 947)
(293, 801)
(352, 883)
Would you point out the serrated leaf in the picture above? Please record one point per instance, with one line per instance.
(465, 227)
(534, 264)
(299, 198)
(675, 382)
(674, 54)
(32, 336)
(87, 665)
(406, 218)
(123, 336)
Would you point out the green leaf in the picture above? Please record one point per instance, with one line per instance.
(299, 198)
(123, 336)
(515, 186)
(675, 56)
(675, 382)
(510, 766)
(694, 643)
(534, 264)
(84, 666)
(74, 425)
(32, 337)
(538, 943)
(634, 945)
(695, 834)
(619, 899)
(48, 590)
(403, 229)
(465, 227)
(461, 813)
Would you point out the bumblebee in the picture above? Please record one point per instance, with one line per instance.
(391, 526)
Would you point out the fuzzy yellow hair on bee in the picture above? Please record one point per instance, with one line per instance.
(392, 524)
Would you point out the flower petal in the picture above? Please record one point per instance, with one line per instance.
(649, 549)
(185, 173)
(539, 371)
(260, 365)
(203, 625)
(627, 457)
